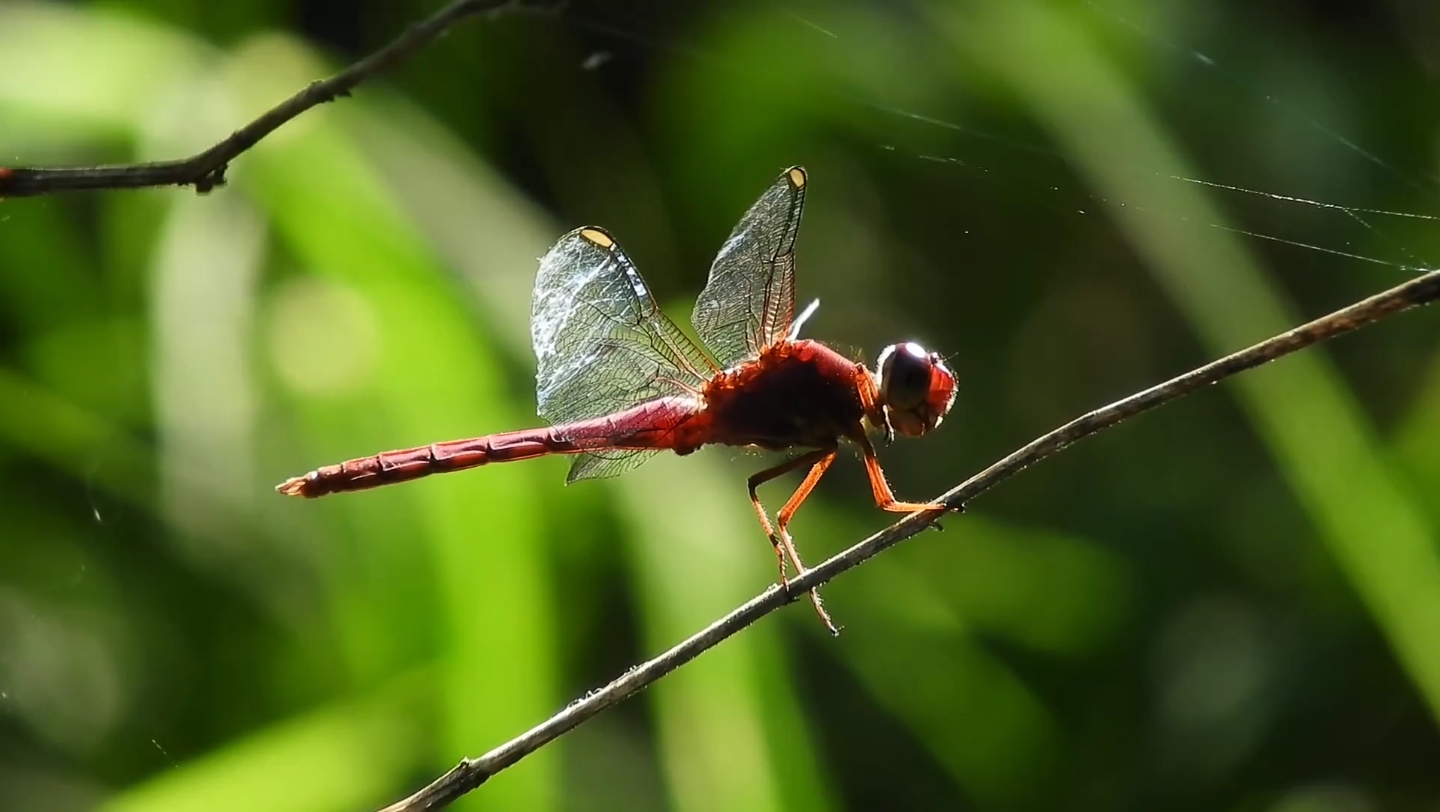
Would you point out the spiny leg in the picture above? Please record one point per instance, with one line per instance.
(884, 497)
(765, 476)
(782, 519)
(819, 460)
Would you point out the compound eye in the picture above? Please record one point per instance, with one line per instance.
(905, 374)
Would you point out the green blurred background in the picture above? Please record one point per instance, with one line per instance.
(1231, 603)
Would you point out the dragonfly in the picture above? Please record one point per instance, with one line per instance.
(619, 382)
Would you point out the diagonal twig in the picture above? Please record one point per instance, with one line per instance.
(206, 170)
(471, 773)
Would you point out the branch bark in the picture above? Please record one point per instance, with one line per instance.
(206, 170)
(471, 773)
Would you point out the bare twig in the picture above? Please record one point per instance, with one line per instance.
(206, 170)
(471, 773)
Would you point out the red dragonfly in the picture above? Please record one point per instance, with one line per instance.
(619, 382)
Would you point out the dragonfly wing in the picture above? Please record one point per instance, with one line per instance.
(603, 464)
(750, 298)
(601, 342)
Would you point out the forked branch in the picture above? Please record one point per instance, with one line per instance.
(471, 773)
(206, 170)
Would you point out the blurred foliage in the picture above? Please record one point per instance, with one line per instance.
(1231, 603)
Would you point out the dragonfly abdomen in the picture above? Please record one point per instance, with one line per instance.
(659, 423)
(437, 458)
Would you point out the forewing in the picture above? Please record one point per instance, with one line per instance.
(750, 298)
(601, 342)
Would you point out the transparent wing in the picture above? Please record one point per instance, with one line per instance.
(750, 298)
(602, 344)
(602, 464)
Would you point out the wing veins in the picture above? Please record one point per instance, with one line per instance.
(749, 300)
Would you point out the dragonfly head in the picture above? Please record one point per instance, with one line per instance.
(916, 388)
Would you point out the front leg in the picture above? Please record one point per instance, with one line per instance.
(884, 497)
(870, 401)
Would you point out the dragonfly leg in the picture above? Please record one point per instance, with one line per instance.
(782, 519)
(884, 497)
(818, 460)
(765, 476)
(870, 401)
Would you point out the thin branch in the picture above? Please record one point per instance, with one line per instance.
(206, 170)
(471, 773)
